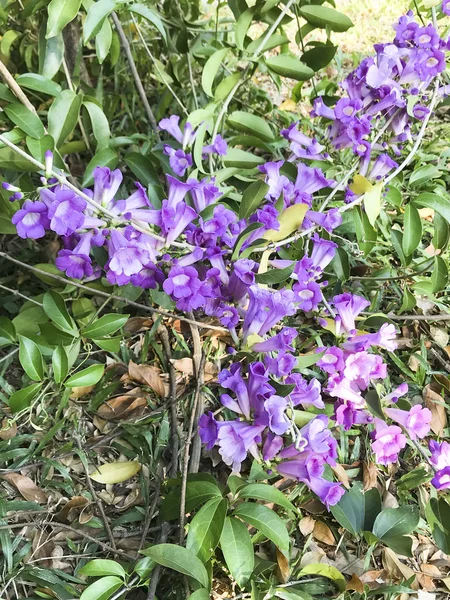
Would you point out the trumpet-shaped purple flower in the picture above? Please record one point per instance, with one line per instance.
(362, 367)
(175, 221)
(275, 407)
(281, 341)
(31, 220)
(106, 184)
(305, 393)
(441, 479)
(320, 439)
(446, 7)
(348, 308)
(416, 421)
(308, 295)
(125, 258)
(208, 429)
(178, 159)
(389, 441)
(282, 364)
(332, 360)
(203, 193)
(323, 252)
(181, 282)
(219, 146)
(65, 210)
(328, 492)
(77, 263)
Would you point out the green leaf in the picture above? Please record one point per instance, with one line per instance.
(100, 566)
(39, 147)
(11, 161)
(408, 302)
(237, 548)
(289, 66)
(319, 57)
(89, 376)
(151, 16)
(438, 203)
(26, 120)
(210, 70)
(272, 42)
(266, 521)
(241, 159)
(63, 116)
(365, 233)
(441, 231)
(252, 198)
(200, 595)
(60, 13)
(7, 332)
(103, 158)
(324, 16)
(372, 202)
(439, 275)
(100, 125)
(97, 13)
(206, 527)
(197, 493)
(242, 237)
(275, 275)
(251, 124)
(268, 493)
(142, 168)
(60, 364)
(242, 26)
(325, 571)
(393, 524)
(225, 86)
(111, 344)
(8, 39)
(423, 175)
(179, 559)
(31, 359)
(55, 309)
(412, 230)
(106, 325)
(103, 41)
(349, 511)
(22, 398)
(374, 404)
(441, 530)
(102, 589)
(38, 83)
(53, 56)
(341, 265)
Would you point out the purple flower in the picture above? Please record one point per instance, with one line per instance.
(208, 430)
(348, 308)
(228, 316)
(148, 278)
(106, 184)
(440, 454)
(329, 493)
(218, 224)
(219, 146)
(446, 7)
(281, 341)
(323, 252)
(311, 179)
(329, 220)
(125, 258)
(272, 445)
(235, 440)
(416, 420)
(31, 220)
(282, 364)
(274, 179)
(344, 389)
(175, 221)
(181, 282)
(203, 193)
(65, 210)
(361, 368)
(441, 479)
(241, 278)
(319, 439)
(332, 360)
(305, 393)
(389, 441)
(172, 126)
(308, 295)
(179, 161)
(76, 263)
(275, 407)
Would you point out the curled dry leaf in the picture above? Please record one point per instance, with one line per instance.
(306, 525)
(425, 583)
(370, 475)
(435, 403)
(75, 502)
(185, 365)
(282, 567)
(341, 475)
(323, 534)
(135, 324)
(123, 407)
(396, 569)
(8, 430)
(115, 472)
(26, 487)
(430, 570)
(80, 392)
(147, 375)
(355, 584)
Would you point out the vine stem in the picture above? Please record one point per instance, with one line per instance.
(137, 80)
(15, 88)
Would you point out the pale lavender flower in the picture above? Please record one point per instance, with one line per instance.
(389, 441)
(416, 421)
(31, 220)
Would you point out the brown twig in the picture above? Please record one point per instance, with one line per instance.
(164, 335)
(137, 80)
(94, 494)
(15, 88)
(83, 286)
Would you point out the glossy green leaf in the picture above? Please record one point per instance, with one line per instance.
(53, 56)
(7, 331)
(97, 13)
(60, 13)
(142, 168)
(200, 595)
(439, 274)
(393, 524)
(103, 158)
(89, 376)
(26, 120)
(225, 86)
(289, 66)
(103, 41)
(252, 198)
(412, 226)
(100, 124)
(63, 116)
(55, 309)
(242, 237)
(372, 202)
(102, 589)
(319, 57)
(324, 16)
(267, 493)
(439, 521)
(273, 276)
(423, 175)
(38, 83)
(8, 39)
(31, 359)
(197, 493)
(441, 231)
(325, 571)
(272, 42)
(39, 147)
(206, 527)
(349, 511)
(365, 233)
(105, 325)
(111, 344)
(242, 159)
(179, 559)
(237, 548)
(210, 70)
(408, 302)
(151, 16)
(251, 124)
(266, 521)
(242, 26)
(438, 203)
(22, 398)
(100, 567)
(60, 364)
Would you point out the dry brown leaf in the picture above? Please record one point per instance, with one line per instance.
(147, 375)
(323, 534)
(135, 324)
(389, 501)
(122, 407)
(341, 475)
(306, 525)
(282, 567)
(371, 576)
(8, 430)
(75, 502)
(79, 392)
(370, 475)
(435, 402)
(26, 487)
(426, 583)
(185, 365)
(446, 581)
(396, 569)
(355, 583)
(430, 570)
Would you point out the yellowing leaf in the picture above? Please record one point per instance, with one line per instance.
(360, 185)
(115, 472)
(372, 202)
(290, 220)
(288, 105)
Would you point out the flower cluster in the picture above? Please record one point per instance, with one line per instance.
(195, 248)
